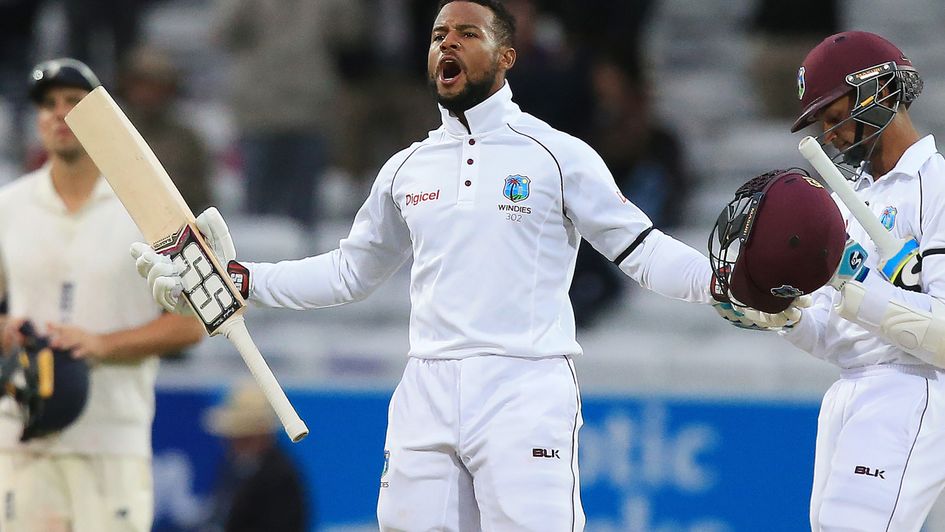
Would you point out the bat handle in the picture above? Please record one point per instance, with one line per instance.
(235, 331)
(814, 153)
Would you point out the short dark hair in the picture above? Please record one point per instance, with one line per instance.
(502, 20)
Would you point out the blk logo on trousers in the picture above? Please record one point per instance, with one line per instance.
(863, 470)
(545, 453)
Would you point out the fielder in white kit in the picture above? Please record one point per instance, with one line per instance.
(879, 462)
(483, 427)
(63, 235)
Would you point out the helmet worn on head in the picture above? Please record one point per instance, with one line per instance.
(50, 385)
(781, 237)
(846, 61)
(61, 72)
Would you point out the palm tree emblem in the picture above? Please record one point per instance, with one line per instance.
(516, 187)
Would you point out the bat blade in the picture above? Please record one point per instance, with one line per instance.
(129, 165)
(167, 223)
(814, 153)
(154, 203)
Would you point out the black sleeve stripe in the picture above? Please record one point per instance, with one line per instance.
(555, 159)
(636, 243)
(936, 251)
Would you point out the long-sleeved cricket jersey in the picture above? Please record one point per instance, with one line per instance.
(492, 215)
(910, 202)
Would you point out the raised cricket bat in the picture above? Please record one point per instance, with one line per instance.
(812, 151)
(167, 223)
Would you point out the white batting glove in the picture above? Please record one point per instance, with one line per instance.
(217, 234)
(749, 318)
(164, 277)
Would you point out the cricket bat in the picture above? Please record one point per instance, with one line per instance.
(168, 225)
(884, 240)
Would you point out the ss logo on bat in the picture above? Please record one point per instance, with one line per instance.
(203, 286)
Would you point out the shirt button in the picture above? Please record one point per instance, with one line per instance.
(468, 183)
(472, 142)
(469, 161)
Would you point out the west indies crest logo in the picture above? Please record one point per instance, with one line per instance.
(516, 187)
(888, 217)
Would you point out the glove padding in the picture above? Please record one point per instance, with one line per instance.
(852, 264)
(749, 318)
(214, 230)
(903, 268)
(164, 276)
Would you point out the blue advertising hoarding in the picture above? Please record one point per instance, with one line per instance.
(648, 464)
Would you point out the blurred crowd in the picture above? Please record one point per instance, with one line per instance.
(316, 87)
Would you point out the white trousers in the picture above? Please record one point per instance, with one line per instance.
(880, 456)
(486, 443)
(75, 493)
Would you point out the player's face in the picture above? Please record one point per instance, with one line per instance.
(833, 116)
(840, 131)
(57, 138)
(466, 63)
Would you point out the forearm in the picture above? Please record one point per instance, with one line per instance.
(808, 333)
(4, 341)
(325, 280)
(167, 333)
(298, 284)
(670, 268)
(868, 305)
(913, 322)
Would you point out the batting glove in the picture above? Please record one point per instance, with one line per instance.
(852, 265)
(217, 234)
(902, 269)
(749, 318)
(164, 276)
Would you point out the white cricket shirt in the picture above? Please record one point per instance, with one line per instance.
(74, 268)
(910, 202)
(493, 216)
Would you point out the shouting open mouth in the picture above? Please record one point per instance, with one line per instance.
(449, 71)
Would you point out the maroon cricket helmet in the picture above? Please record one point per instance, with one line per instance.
(824, 75)
(780, 238)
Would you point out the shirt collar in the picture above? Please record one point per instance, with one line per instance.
(46, 191)
(491, 114)
(915, 156)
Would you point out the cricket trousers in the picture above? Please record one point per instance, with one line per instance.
(880, 457)
(75, 493)
(486, 443)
